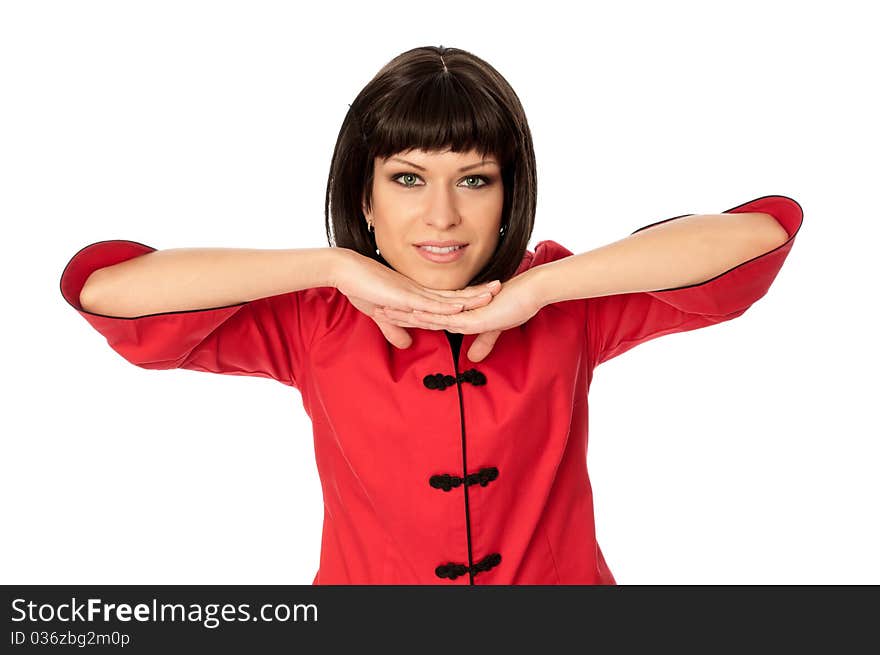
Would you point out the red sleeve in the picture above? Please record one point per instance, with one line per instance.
(265, 337)
(619, 322)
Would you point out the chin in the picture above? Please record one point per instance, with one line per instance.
(449, 281)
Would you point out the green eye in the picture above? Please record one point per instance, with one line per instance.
(408, 176)
(477, 177)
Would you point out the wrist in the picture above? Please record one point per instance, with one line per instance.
(337, 265)
(540, 279)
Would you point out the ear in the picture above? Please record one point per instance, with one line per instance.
(367, 214)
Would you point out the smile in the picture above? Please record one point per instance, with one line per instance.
(441, 255)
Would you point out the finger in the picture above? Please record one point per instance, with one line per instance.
(396, 336)
(468, 292)
(446, 307)
(493, 287)
(468, 298)
(447, 304)
(480, 300)
(406, 319)
(423, 303)
(410, 324)
(430, 306)
(483, 345)
(452, 322)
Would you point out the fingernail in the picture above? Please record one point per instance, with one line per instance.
(495, 283)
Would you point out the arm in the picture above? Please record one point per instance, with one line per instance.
(675, 275)
(688, 250)
(199, 278)
(237, 312)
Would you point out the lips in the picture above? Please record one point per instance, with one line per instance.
(433, 248)
(441, 257)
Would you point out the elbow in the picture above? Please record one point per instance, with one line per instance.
(88, 295)
(774, 234)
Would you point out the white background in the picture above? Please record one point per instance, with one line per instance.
(746, 452)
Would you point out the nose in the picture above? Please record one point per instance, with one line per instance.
(441, 210)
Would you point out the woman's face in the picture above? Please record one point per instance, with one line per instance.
(437, 196)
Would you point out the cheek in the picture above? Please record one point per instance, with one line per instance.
(492, 209)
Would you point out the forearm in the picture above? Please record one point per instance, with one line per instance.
(680, 252)
(182, 279)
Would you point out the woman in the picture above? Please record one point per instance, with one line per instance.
(437, 469)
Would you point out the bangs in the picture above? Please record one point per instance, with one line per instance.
(438, 114)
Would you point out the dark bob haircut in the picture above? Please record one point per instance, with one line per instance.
(434, 99)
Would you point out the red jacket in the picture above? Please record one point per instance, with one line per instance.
(434, 469)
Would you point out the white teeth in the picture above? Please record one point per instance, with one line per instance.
(441, 250)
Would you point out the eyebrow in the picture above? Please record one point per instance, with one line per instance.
(464, 168)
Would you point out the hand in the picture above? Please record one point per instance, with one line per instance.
(516, 302)
(369, 284)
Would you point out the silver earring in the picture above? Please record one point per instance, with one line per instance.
(501, 231)
(370, 229)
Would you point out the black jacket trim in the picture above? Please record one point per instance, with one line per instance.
(446, 482)
(452, 570)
